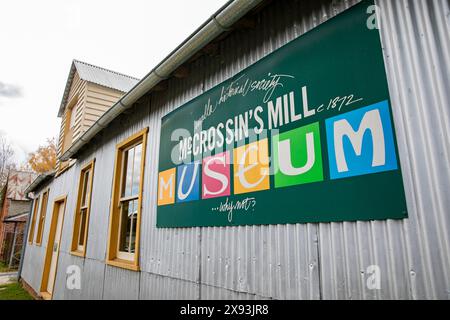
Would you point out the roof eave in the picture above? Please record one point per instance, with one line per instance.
(219, 23)
(66, 89)
(40, 179)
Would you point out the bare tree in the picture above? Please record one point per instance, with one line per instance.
(6, 155)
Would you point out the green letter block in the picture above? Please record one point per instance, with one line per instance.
(298, 156)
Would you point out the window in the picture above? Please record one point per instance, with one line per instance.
(81, 220)
(123, 245)
(33, 220)
(41, 220)
(73, 116)
(69, 123)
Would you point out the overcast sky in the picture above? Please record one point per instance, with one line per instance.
(39, 39)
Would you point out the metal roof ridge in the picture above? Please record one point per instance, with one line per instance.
(105, 69)
(73, 69)
(230, 12)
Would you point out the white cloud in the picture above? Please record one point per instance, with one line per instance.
(40, 39)
(10, 90)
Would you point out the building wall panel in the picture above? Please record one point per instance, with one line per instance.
(32, 266)
(413, 254)
(61, 289)
(157, 287)
(92, 281)
(303, 261)
(98, 99)
(101, 198)
(121, 284)
(217, 293)
(170, 252)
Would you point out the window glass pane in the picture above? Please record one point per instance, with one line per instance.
(128, 172)
(88, 187)
(85, 190)
(42, 217)
(73, 115)
(131, 173)
(137, 169)
(82, 232)
(124, 174)
(44, 205)
(33, 220)
(127, 240)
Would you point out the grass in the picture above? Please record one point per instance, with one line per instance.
(13, 291)
(4, 268)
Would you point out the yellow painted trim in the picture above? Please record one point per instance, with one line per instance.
(60, 198)
(78, 253)
(33, 220)
(48, 252)
(67, 165)
(132, 139)
(141, 188)
(111, 254)
(111, 248)
(42, 216)
(46, 296)
(76, 223)
(124, 264)
(67, 129)
(88, 211)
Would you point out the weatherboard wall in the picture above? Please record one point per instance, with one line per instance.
(98, 100)
(302, 261)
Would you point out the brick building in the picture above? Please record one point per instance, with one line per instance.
(14, 210)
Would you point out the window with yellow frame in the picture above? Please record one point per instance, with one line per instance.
(41, 221)
(81, 217)
(33, 219)
(125, 217)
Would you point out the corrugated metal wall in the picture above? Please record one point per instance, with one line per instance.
(416, 38)
(310, 261)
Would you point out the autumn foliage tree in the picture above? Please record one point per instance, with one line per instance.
(44, 158)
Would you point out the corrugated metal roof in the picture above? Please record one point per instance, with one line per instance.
(97, 75)
(105, 77)
(39, 180)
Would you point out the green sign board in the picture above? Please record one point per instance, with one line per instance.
(304, 135)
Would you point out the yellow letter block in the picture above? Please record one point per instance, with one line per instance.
(251, 167)
(166, 187)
